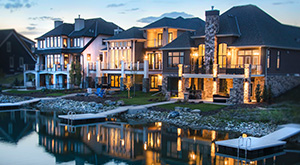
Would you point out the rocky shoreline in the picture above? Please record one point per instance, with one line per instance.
(186, 117)
(12, 99)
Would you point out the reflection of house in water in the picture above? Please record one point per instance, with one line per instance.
(14, 126)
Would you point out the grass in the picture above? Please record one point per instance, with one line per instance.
(202, 107)
(10, 79)
(290, 96)
(55, 94)
(140, 98)
(14, 91)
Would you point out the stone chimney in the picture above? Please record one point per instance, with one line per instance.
(57, 23)
(211, 29)
(79, 23)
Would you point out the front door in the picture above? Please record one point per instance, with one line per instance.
(153, 82)
(153, 60)
(115, 81)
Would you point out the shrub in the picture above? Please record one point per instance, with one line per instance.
(258, 93)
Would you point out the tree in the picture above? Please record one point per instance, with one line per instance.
(75, 73)
(265, 93)
(270, 94)
(128, 83)
(258, 93)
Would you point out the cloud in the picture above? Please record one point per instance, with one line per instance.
(115, 5)
(283, 3)
(133, 9)
(45, 18)
(13, 5)
(171, 15)
(30, 27)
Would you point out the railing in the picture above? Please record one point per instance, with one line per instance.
(154, 43)
(42, 67)
(239, 69)
(193, 69)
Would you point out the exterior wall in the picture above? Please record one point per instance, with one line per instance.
(289, 61)
(281, 84)
(17, 51)
(186, 61)
(139, 51)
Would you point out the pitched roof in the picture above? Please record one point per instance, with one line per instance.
(92, 28)
(25, 42)
(259, 28)
(184, 41)
(132, 33)
(179, 23)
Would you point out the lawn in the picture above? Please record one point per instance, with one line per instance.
(14, 91)
(140, 98)
(11, 79)
(202, 107)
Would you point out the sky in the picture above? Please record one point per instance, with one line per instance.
(33, 18)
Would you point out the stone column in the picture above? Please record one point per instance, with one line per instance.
(122, 86)
(146, 83)
(247, 82)
(164, 85)
(211, 29)
(180, 83)
(236, 92)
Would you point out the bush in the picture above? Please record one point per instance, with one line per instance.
(258, 93)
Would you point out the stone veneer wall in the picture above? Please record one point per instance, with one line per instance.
(164, 87)
(237, 92)
(208, 88)
(280, 84)
(186, 82)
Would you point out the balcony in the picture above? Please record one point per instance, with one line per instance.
(192, 69)
(42, 67)
(131, 66)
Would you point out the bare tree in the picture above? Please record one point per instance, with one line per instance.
(128, 83)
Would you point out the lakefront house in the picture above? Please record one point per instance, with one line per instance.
(57, 49)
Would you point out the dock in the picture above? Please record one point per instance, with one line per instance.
(18, 104)
(77, 119)
(252, 147)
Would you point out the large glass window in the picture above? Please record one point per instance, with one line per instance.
(222, 55)
(159, 39)
(175, 58)
(50, 61)
(170, 37)
(248, 57)
(58, 41)
(65, 43)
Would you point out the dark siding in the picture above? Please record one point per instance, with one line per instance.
(174, 70)
(199, 41)
(17, 51)
(139, 53)
(289, 61)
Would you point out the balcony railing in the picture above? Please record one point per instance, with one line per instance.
(42, 67)
(193, 69)
(131, 66)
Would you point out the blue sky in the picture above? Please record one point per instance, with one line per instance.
(33, 18)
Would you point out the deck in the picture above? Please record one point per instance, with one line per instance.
(17, 104)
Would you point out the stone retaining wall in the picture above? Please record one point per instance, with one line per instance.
(280, 84)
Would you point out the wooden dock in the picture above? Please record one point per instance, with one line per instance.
(18, 104)
(252, 147)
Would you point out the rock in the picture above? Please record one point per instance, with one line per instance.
(186, 109)
(173, 114)
(178, 108)
(92, 104)
(107, 102)
(120, 103)
(99, 106)
(196, 111)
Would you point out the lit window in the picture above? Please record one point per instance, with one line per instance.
(278, 60)
(268, 60)
(58, 41)
(159, 39)
(8, 47)
(51, 41)
(55, 42)
(57, 59)
(50, 61)
(48, 42)
(128, 43)
(88, 57)
(65, 43)
(170, 37)
(222, 55)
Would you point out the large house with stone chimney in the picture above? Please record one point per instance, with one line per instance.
(235, 51)
(136, 52)
(66, 44)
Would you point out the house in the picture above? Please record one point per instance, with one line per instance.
(136, 51)
(235, 51)
(15, 51)
(57, 49)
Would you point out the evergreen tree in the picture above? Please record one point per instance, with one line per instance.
(258, 93)
(75, 73)
(265, 93)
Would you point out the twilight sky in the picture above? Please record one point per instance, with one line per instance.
(33, 18)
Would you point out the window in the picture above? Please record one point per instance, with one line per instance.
(170, 37)
(57, 59)
(66, 60)
(268, 61)
(248, 57)
(175, 58)
(11, 62)
(128, 43)
(103, 42)
(58, 41)
(71, 42)
(8, 47)
(278, 60)
(55, 42)
(48, 42)
(222, 55)
(50, 61)
(115, 80)
(65, 43)
(159, 39)
(21, 62)
(88, 57)
(112, 44)
(51, 41)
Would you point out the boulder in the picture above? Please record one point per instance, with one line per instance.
(196, 111)
(120, 103)
(173, 114)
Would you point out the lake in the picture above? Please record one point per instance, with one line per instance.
(34, 137)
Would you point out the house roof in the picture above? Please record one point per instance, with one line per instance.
(25, 42)
(177, 23)
(132, 33)
(92, 28)
(184, 41)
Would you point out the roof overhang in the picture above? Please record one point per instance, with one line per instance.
(167, 27)
(179, 48)
(125, 39)
(265, 46)
(218, 35)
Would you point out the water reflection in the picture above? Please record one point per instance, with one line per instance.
(116, 142)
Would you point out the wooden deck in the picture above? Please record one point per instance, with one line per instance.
(17, 104)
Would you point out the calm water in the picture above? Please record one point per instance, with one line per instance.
(33, 137)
